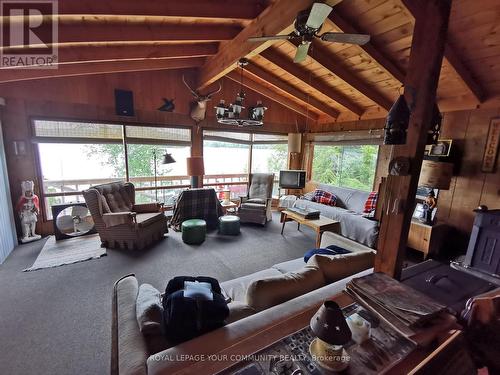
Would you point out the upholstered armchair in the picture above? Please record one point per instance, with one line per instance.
(256, 206)
(120, 222)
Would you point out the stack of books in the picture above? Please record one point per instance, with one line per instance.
(399, 305)
(305, 213)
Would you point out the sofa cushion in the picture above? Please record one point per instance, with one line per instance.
(289, 265)
(129, 346)
(253, 206)
(236, 289)
(238, 310)
(337, 267)
(350, 199)
(149, 310)
(271, 291)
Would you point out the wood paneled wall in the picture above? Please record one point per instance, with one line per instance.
(469, 187)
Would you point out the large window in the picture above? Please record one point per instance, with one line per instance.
(73, 156)
(230, 156)
(346, 166)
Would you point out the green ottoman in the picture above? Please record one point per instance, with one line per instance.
(229, 224)
(194, 231)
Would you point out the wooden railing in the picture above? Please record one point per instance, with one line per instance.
(166, 189)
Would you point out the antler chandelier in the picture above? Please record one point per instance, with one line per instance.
(231, 115)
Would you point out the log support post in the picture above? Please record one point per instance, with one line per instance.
(427, 50)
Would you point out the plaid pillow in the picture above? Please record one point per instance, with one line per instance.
(324, 197)
(371, 202)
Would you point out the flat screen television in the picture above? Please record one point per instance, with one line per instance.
(292, 179)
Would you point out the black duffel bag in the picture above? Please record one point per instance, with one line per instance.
(192, 306)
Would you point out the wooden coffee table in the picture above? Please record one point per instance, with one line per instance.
(318, 225)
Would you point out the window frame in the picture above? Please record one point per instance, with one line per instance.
(124, 141)
(250, 143)
(313, 145)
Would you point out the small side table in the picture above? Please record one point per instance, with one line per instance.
(229, 207)
(426, 238)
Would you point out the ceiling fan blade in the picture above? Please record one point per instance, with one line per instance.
(318, 14)
(359, 39)
(301, 53)
(267, 38)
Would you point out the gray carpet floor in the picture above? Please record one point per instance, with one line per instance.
(57, 320)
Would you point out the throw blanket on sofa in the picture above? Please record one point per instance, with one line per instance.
(197, 204)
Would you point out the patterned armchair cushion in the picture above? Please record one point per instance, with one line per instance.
(261, 185)
(119, 196)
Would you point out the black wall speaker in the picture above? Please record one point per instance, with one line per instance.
(124, 102)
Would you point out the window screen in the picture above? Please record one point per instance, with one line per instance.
(153, 134)
(45, 130)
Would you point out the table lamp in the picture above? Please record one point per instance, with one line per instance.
(195, 169)
(332, 331)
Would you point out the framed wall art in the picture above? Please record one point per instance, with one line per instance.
(491, 148)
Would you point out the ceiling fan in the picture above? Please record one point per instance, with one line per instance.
(307, 26)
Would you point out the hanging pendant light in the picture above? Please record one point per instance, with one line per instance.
(397, 122)
(232, 114)
(435, 128)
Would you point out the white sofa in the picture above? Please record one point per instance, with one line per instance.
(348, 211)
(257, 300)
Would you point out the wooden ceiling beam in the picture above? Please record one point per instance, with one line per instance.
(369, 48)
(309, 79)
(98, 67)
(324, 58)
(276, 19)
(69, 55)
(272, 95)
(127, 33)
(269, 78)
(453, 58)
(221, 9)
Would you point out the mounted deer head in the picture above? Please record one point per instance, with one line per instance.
(199, 105)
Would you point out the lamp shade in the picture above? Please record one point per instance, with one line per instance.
(329, 324)
(195, 166)
(168, 159)
(436, 174)
(294, 143)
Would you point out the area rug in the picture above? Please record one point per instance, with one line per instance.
(58, 253)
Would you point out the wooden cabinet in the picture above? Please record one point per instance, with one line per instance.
(426, 238)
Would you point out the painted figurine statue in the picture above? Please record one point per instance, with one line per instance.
(28, 208)
(429, 205)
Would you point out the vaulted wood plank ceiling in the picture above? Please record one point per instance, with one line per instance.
(336, 82)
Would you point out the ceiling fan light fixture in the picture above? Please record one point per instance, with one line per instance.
(307, 25)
